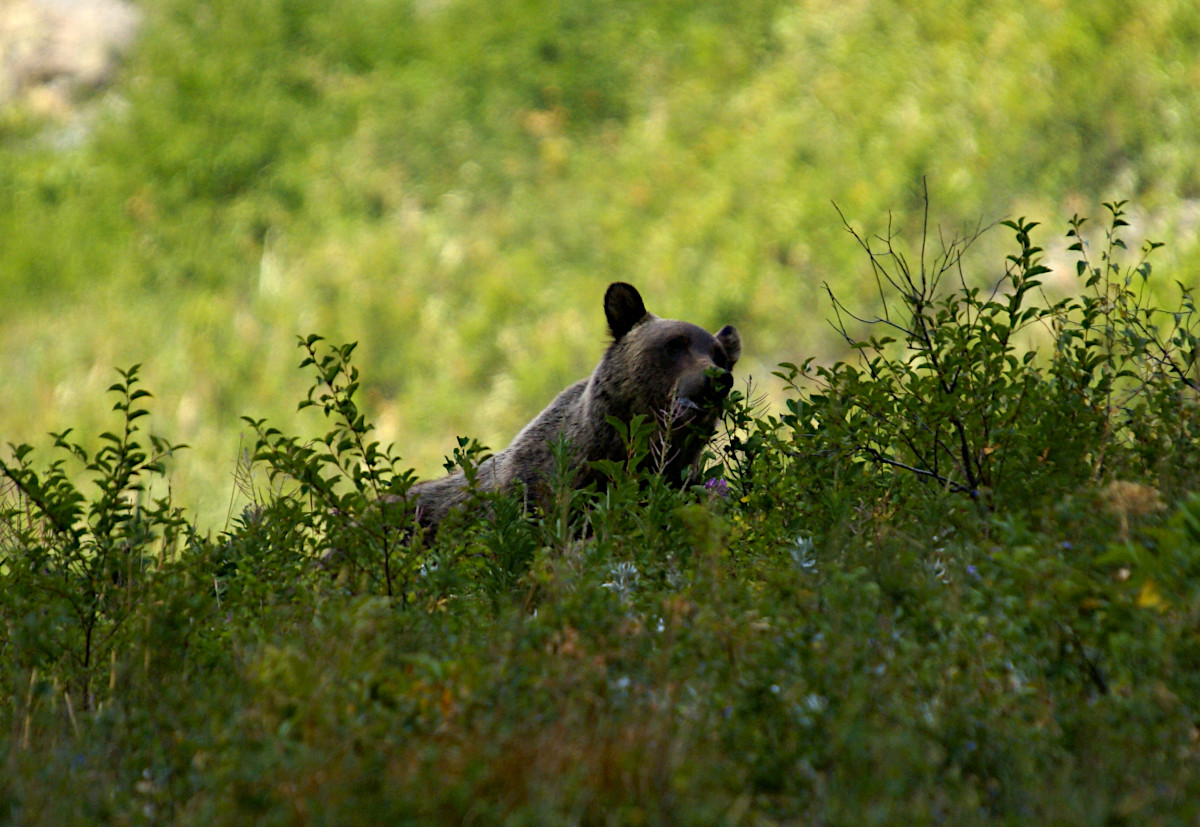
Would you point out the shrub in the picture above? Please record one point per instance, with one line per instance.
(73, 568)
(354, 511)
(959, 394)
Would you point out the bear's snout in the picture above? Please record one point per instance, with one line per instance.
(721, 384)
(716, 385)
(703, 390)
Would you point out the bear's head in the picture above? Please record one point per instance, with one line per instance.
(675, 373)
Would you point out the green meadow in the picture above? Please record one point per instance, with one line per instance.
(453, 186)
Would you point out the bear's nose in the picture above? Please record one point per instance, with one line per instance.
(721, 384)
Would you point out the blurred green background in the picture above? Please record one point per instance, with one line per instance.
(453, 183)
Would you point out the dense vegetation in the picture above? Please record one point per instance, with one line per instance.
(952, 576)
(957, 580)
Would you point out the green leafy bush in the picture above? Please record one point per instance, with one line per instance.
(958, 392)
(75, 569)
(354, 491)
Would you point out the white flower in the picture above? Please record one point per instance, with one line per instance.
(622, 579)
(937, 570)
(802, 555)
(816, 703)
(427, 568)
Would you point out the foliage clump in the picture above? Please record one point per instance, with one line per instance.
(1000, 392)
(76, 567)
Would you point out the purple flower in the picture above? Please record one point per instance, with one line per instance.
(717, 486)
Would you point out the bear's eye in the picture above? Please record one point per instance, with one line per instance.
(676, 345)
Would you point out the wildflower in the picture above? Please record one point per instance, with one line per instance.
(622, 579)
(1149, 597)
(1016, 680)
(717, 487)
(937, 570)
(428, 568)
(811, 708)
(802, 555)
(816, 703)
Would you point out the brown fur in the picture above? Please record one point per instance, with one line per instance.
(673, 373)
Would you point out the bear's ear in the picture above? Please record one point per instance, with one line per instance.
(732, 342)
(623, 307)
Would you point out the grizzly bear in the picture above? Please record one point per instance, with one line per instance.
(674, 374)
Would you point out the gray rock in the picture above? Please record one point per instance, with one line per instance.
(52, 52)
